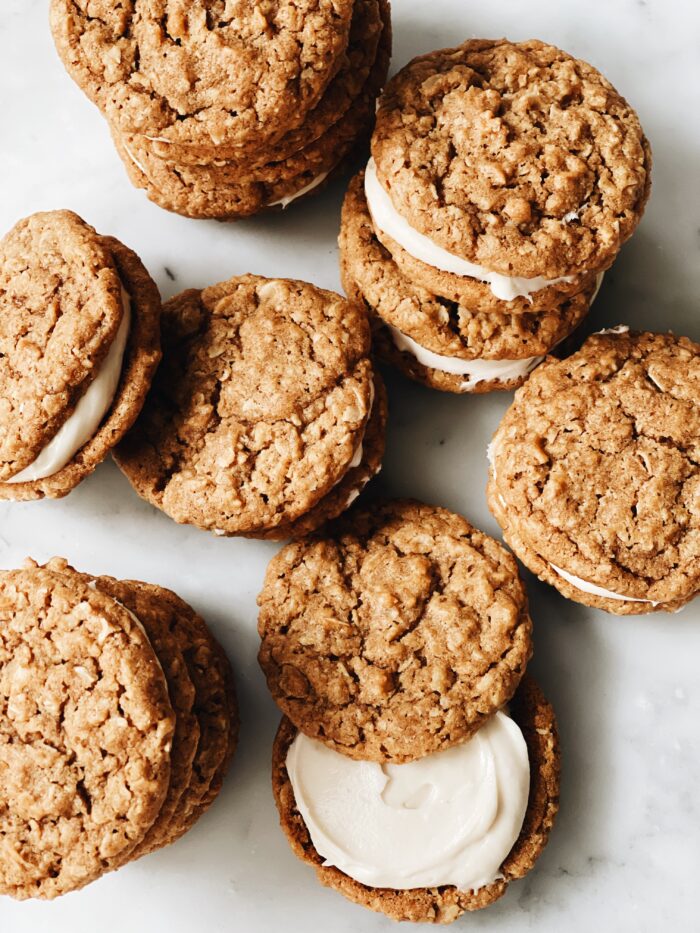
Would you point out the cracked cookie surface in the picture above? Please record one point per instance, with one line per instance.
(85, 733)
(536, 719)
(436, 323)
(60, 308)
(395, 633)
(596, 470)
(211, 72)
(515, 156)
(258, 408)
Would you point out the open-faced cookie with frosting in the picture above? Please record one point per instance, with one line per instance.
(594, 472)
(394, 643)
(79, 343)
(266, 417)
(118, 719)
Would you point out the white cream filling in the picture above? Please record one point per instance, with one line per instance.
(450, 818)
(286, 201)
(594, 590)
(89, 412)
(476, 371)
(387, 218)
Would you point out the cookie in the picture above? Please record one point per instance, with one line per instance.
(594, 472)
(207, 74)
(258, 409)
(515, 157)
(79, 344)
(535, 717)
(370, 21)
(395, 633)
(226, 189)
(492, 350)
(85, 733)
(350, 487)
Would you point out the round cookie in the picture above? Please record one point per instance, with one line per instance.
(595, 472)
(258, 408)
(514, 156)
(370, 21)
(436, 323)
(344, 493)
(223, 190)
(207, 74)
(85, 735)
(39, 369)
(536, 719)
(394, 634)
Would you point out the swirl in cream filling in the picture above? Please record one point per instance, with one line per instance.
(92, 406)
(450, 818)
(386, 218)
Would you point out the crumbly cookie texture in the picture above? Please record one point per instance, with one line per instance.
(595, 471)
(345, 492)
(140, 362)
(216, 73)
(370, 21)
(224, 190)
(395, 633)
(85, 733)
(60, 308)
(440, 325)
(258, 407)
(536, 719)
(515, 156)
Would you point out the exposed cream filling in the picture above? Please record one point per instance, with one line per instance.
(92, 406)
(286, 201)
(450, 818)
(386, 218)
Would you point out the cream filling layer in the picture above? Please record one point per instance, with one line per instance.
(595, 590)
(286, 201)
(387, 218)
(450, 818)
(89, 412)
(478, 370)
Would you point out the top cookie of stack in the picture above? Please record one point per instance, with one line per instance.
(505, 178)
(220, 108)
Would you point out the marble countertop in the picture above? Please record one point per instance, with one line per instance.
(625, 853)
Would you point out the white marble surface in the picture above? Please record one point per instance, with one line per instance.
(625, 854)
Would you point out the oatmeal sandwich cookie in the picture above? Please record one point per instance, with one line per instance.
(395, 644)
(79, 344)
(434, 340)
(274, 99)
(266, 417)
(509, 163)
(103, 701)
(594, 472)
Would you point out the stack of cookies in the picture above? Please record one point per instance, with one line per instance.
(118, 720)
(504, 179)
(416, 768)
(266, 417)
(223, 110)
(79, 344)
(594, 473)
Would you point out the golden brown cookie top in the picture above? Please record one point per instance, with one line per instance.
(595, 465)
(210, 72)
(395, 633)
(85, 732)
(514, 156)
(258, 408)
(60, 308)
